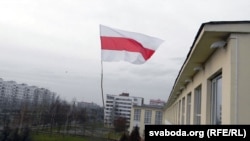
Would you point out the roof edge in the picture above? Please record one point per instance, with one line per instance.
(195, 39)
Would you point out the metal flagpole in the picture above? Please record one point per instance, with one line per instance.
(102, 83)
(102, 76)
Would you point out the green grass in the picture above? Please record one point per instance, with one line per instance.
(113, 135)
(45, 137)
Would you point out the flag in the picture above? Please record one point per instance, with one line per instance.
(120, 45)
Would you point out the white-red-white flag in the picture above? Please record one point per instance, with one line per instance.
(120, 45)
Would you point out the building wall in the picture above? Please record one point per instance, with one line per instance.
(232, 62)
(216, 63)
(141, 123)
(241, 78)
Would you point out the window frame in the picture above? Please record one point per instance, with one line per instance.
(216, 98)
(197, 104)
(158, 117)
(183, 110)
(189, 103)
(137, 114)
(147, 116)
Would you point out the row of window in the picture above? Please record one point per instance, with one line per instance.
(122, 99)
(123, 103)
(148, 116)
(119, 105)
(215, 99)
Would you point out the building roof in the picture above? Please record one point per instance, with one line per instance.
(149, 106)
(200, 50)
(124, 95)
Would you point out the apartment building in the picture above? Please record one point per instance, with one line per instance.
(212, 86)
(119, 106)
(14, 95)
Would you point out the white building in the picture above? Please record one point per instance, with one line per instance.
(119, 106)
(13, 95)
(10, 92)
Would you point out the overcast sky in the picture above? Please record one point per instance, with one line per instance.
(55, 44)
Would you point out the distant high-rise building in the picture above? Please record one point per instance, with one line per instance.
(14, 96)
(156, 102)
(119, 106)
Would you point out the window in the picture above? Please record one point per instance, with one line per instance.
(137, 114)
(110, 97)
(147, 117)
(183, 110)
(216, 100)
(179, 112)
(158, 117)
(197, 105)
(188, 108)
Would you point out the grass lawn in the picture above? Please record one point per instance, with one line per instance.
(45, 137)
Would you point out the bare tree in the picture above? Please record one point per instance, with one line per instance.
(120, 124)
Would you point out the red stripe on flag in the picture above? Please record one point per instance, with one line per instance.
(126, 44)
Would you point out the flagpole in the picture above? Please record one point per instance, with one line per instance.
(102, 83)
(102, 76)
